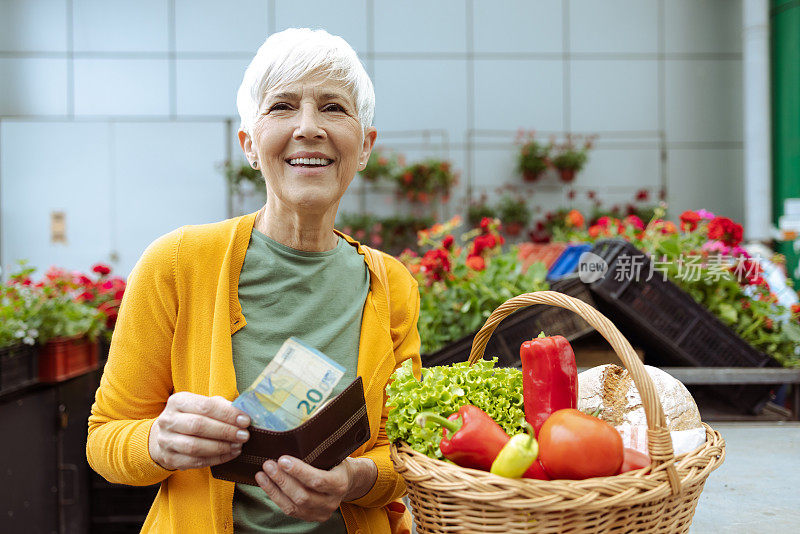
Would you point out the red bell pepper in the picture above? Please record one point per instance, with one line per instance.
(549, 378)
(475, 440)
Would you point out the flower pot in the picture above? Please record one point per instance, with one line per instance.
(64, 358)
(567, 174)
(18, 367)
(513, 229)
(531, 176)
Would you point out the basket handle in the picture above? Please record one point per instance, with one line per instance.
(658, 437)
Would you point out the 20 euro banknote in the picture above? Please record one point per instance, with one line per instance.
(297, 381)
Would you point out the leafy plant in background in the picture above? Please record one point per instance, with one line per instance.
(382, 165)
(462, 283)
(238, 173)
(533, 157)
(479, 210)
(390, 234)
(47, 309)
(423, 181)
(445, 389)
(514, 212)
(569, 158)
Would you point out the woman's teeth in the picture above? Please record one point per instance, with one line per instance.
(310, 161)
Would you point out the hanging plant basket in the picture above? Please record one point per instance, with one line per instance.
(531, 176)
(66, 357)
(567, 174)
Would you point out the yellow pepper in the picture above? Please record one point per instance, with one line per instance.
(517, 455)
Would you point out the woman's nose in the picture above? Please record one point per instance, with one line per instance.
(308, 126)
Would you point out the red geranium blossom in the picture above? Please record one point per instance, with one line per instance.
(476, 263)
(725, 230)
(689, 220)
(435, 263)
(101, 268)
(447, 242)
(635, 221)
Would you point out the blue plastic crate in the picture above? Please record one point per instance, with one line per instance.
(567, 263)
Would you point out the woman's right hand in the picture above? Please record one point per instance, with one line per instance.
(197, 431)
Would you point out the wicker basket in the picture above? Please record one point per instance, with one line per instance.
(661, 498)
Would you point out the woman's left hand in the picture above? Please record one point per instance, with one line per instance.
(312, 494)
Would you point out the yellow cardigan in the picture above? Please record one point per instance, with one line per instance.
(173, 334)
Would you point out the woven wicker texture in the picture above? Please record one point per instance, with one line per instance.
(661, 498)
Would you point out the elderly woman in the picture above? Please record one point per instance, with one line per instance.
(208, 306)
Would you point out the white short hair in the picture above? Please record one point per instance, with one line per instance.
(296, 54)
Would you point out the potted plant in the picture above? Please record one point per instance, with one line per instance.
(19, 329)
(570, 159)
(532, 158)
(67, 327)
(382, 164)
(514, 213)
(426, 180)
(461, 282)
(477, 211)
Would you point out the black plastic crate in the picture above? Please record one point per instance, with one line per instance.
(19, 368)
(670, 324)
(521, 326)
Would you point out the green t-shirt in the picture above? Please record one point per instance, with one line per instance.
(317, 297)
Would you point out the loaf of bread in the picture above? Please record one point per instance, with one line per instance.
(610, 389)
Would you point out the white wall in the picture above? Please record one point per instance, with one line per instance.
(115, 111)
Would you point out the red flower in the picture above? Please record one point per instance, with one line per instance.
(408, 177)
(571, 194)
(86, 296)
(118, 295)
(476, 263)
(83, 280)
(642, 195)
(435, 263)
(604, 221)
(725, 230)
(101, 268)
(796, 309)
(447, 242)
(485, 222)
(634, 221)
(594, 230)
(106, 286)
(689, 220)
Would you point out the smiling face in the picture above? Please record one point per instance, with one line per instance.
(309, 144)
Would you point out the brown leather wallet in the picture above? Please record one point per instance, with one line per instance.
(328, 437)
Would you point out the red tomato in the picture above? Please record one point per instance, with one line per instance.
(633, 459)
(575, 446)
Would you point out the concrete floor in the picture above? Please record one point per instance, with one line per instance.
(757, 488)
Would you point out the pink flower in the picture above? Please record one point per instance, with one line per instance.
(716, 246)
(704, 214)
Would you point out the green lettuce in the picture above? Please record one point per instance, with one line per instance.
(445, 389)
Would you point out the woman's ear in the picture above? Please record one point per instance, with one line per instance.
(369, 142)
(245, 142)
(249, 150)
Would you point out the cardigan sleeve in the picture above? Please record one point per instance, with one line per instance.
(137, 378)
(405, 337)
